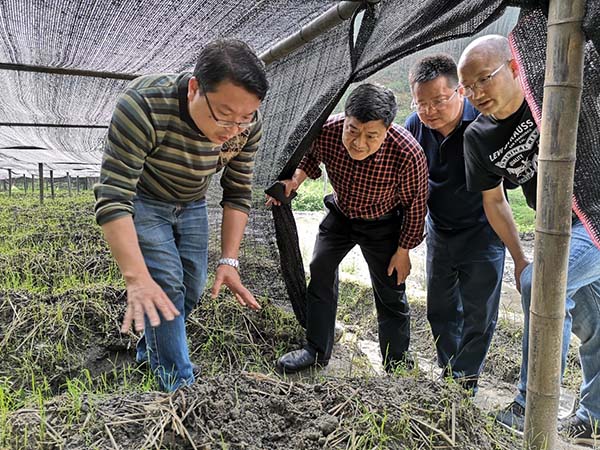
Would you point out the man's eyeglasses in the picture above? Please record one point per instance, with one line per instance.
(437, 105)
(227, 123)
(482, 83)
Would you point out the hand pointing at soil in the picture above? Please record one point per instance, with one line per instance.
(229, 276)
(146, 298)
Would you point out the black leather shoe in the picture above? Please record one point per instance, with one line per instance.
(298, 360)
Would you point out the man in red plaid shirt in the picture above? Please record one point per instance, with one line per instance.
(379, 176)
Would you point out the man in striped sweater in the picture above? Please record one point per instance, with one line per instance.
(168, 135)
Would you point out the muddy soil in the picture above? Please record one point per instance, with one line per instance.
(256, 411)
(241, 402)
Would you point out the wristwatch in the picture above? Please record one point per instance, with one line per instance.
(229, 262)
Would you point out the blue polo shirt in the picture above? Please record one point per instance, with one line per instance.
(451, 206)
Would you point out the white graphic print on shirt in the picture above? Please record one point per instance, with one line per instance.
(516, 156)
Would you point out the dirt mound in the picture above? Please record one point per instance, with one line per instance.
(256, 411)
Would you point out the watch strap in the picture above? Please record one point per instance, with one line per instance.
(229, 262)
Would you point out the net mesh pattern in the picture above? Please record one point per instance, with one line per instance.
(112, 36)
(529, 40)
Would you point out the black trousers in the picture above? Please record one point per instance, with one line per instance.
(464, 278)
(378, 241)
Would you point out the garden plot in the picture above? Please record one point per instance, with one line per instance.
(68, 378)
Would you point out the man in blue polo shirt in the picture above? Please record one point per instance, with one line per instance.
(465, 257)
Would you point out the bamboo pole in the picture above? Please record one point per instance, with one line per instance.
(32, 183)
(41, 171)
(10, 182)
(69, 183)
(25, 183)
(556, 165)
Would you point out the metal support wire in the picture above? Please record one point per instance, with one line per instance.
(326, 21)
(49, 125)
(63, 71)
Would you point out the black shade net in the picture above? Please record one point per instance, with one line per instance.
(529, 39)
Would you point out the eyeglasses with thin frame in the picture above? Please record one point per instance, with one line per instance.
(226, 123)
(436, 105)
(469, 91)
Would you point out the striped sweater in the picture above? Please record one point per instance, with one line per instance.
(154, 148)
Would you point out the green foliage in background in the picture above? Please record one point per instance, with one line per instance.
(524, 216)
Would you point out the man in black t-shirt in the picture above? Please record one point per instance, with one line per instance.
(502, 144)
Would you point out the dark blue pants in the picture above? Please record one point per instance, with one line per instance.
(378, 241)
(464, 276)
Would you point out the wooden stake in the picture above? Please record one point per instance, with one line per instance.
(10, 182)
(52, 183)
(41, 170)
(556, 167)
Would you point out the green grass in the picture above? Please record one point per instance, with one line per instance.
(310, 195)
(524, 216)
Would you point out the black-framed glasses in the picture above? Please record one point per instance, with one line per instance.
(469, 90)
(227, 123)
(437, 105)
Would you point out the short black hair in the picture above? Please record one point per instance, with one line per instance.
(372, 102)
(231, 60)
(431, 67)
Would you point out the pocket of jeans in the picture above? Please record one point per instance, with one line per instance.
(151, 227)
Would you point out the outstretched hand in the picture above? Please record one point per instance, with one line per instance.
(230, 277)
(146, 298)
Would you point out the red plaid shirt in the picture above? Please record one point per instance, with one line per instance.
(396, 174)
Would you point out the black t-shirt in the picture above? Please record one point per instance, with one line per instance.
(507, 148)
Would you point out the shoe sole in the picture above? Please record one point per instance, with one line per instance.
(285, 371)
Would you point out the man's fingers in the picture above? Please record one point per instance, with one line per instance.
(244, 296)
(127, 319)
(240, 300)
(138, 316)
(152, 314)
(167, 308)
(216, 287)
(271, 201)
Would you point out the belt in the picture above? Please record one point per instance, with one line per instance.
(386, 216)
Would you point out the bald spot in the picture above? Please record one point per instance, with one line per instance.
(493, 49)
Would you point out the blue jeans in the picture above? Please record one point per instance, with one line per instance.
(582, 317)
(174, 241)
(464, 279)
